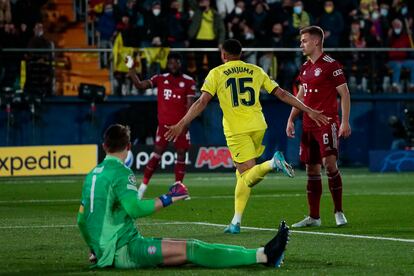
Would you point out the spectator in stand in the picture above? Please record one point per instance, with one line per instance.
(39, 40)
(380, 25)
(225, 7)
(155, 32)
(106, 29)
(124, 25)
(332, 23)
(300, 18)
(206, 30)
(259, 20)
(280, 65)
(398, 60)
(366, 7)
(356, 64)
(39, 65)
(378, 37)
(9, 38)
(5, 12)
(348, 9)
(235, 18)
(283, 14)
(28, 12)
(177, 26)
(403, 13)
(314, 8)
(25, 35)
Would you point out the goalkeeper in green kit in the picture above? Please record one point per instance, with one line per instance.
(110, 206)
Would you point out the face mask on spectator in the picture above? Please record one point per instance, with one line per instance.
(397, 31)
(156, 12)
(297, 9)
(39, 33)
(375, 15)
(329, 9)
(384, 12)
(190, 13)
(238, 10)
(404, 10)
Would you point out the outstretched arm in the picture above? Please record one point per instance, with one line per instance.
(195, 110)
(144, 84)
(345, 128)
(141, 208)
(288, 98)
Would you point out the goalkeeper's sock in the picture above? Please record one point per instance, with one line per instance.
(335, 186)
(221, 255)
(314, 193)
(241, 196)
(179, 170)
(151, 167)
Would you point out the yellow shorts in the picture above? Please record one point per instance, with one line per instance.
(246, 146)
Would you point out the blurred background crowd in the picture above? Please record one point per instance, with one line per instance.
(256, 23)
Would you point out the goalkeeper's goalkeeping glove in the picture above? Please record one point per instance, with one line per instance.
(176, 192)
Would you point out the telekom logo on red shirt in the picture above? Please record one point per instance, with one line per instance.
(214, 157)
(167, 94)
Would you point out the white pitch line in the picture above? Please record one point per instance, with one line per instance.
(407, 193)
(60, 179)
(309, 233)
(38, 226)
(223, 225)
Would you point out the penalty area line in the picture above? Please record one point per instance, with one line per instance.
(222, 226)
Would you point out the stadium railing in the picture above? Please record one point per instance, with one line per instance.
(367, 69)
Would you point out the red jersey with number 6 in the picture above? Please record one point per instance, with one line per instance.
(319, 81)
(172, 96)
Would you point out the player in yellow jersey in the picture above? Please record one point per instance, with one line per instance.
(237, 85)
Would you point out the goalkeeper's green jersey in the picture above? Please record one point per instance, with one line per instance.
(108, 208)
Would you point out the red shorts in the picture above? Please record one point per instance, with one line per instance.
(318, 143)
(182, 142)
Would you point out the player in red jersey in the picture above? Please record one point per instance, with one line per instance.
(321, 79)
(176, 92)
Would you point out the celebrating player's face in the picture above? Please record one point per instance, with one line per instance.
(174, 66)
(307, 43)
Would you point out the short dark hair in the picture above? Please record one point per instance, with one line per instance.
(313, 30)
(116, 138)
(175, 55)
(232, 47)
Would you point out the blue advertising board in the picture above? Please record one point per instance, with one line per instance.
(391, 160)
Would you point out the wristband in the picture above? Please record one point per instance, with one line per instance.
(166, 200)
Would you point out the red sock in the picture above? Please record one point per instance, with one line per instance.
(314, 189)
(150, 168)
(335, 186)
(179, 170)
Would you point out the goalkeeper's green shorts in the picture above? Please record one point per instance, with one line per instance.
(140, 252)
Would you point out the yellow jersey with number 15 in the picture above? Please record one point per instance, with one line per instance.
(237, 85)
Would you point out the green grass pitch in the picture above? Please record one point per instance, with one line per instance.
(38, 234)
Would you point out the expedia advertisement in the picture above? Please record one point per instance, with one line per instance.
(198, 159)
(47, 160)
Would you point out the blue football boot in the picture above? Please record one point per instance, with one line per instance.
(233, 228)
(280, 164)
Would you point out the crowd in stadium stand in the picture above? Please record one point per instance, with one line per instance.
(20, 27)
(256, 23)
(276, 24)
